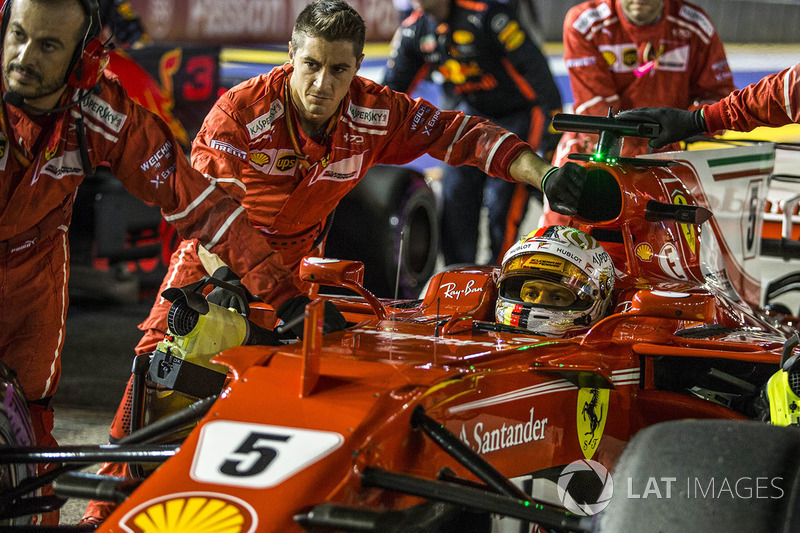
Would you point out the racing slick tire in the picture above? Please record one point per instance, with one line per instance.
(16, 430)
(706, 475)
(388, 202)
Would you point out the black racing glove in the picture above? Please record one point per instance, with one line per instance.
(224, 297)
(676, 124)
(563, 187)
(295, 307)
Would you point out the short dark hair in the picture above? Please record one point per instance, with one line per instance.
(332, 20)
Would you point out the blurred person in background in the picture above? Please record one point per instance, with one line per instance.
(493, 69)
(623, 54)
(123, 24)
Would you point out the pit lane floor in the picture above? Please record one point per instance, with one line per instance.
(96, 364)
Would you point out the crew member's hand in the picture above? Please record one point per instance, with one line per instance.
(225, 298)
(563, 187)
(295, 307)
(676, 124)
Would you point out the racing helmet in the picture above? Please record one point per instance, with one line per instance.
(556, 281)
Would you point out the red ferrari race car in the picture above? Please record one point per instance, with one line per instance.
(454, 413)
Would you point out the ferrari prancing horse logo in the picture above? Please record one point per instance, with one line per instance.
(592, 415)
(688, 230)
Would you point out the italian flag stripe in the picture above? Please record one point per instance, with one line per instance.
(726, 168)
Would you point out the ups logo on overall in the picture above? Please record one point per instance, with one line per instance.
(286, 162)
(630, 56)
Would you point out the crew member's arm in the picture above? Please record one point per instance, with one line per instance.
(772, 101)
(593, 87)
(156, 171)
(459, 139)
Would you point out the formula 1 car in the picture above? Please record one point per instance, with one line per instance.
(428, 415)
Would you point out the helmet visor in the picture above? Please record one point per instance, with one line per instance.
(547, 281)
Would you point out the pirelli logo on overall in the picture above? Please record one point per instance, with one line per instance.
(228, 148)
(368, 116)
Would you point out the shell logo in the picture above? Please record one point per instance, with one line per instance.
(259, 158)
(191, 513)
(644, 252)
(609, 57)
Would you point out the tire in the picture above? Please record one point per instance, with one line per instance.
(726, 476)
(388, 202)
(16, 430)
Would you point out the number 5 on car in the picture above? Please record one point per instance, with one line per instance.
(257, 455)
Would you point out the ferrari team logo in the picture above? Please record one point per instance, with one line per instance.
(592, 414)
(688, 231)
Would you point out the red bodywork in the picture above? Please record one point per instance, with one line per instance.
(298, 424)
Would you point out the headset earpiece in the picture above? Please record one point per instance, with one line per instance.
(90, 66)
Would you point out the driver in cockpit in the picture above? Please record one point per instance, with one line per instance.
(558, 281)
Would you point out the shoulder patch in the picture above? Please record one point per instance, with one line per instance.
(263, 124)
(102, 111)
(589, 17)
(368, 116)
(698, 17)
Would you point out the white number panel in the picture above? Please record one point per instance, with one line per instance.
(257, 455)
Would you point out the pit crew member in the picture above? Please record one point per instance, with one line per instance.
(623, 54)
(493, 67)
(556, 281)
(61, 117)
(291, 143)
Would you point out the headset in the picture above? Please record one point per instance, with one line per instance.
(86, 67)
(91, 55)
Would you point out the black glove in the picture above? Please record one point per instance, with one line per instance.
(676, 124)
(563, 187)
(224, 297)
(295, 307)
